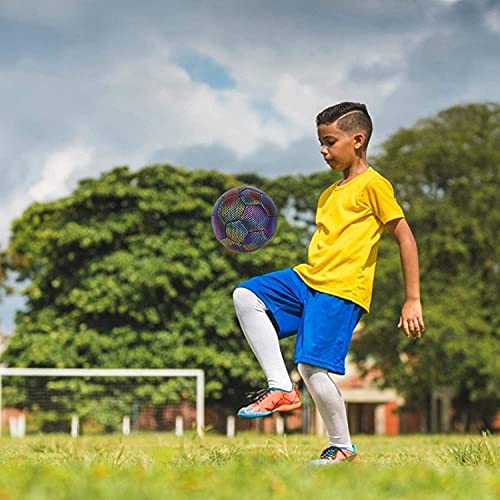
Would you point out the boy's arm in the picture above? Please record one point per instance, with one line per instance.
(411, 319)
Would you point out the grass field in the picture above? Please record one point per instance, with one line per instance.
(248, 466)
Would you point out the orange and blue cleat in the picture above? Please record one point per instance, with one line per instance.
(269, 401)
(334, 455)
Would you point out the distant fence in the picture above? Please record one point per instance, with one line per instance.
(198, 374)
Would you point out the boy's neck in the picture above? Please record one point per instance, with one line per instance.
(354, 170)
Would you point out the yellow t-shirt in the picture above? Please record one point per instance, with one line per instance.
(350, 220)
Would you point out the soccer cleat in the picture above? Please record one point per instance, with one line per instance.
(270, 400)
(334, 455)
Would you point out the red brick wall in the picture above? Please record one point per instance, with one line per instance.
(10, 412)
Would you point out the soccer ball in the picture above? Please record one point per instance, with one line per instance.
(244, 219)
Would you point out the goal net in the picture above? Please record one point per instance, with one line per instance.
(101, 400)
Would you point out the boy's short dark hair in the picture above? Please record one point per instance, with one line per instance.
(351, 116)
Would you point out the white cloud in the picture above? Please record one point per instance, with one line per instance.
(297, 101)
(45, 12)
(170, 110)
(387, 87)
(57, 171)
(11, 208)
(492, 20)
(53, 182)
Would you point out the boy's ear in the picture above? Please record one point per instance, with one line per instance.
(359, 140)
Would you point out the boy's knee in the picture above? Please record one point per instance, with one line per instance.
(243, 299)
(307, 371)
(304, 369)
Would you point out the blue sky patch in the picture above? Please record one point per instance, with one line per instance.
(204, 69)
(267, 111)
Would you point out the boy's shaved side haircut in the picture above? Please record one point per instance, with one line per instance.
(351, 116)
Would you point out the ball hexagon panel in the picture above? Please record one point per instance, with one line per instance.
(255, 240)
(255, 217)
(236, 231)
(269, 206)
(231, 209)
(250, 197)
(271, 227)
(232, 246)
(218, 226)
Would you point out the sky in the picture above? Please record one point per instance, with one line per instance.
(86, 85)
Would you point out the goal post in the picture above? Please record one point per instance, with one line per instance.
(118, 372)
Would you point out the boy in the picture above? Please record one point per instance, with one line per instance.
(322, 301)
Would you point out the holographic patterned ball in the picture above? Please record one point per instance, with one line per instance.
(244, 219)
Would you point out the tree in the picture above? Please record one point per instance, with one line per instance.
(3, 272)
(5, 287)
(445, 171)
(126, 272)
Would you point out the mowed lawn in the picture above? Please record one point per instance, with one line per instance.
(249, 466)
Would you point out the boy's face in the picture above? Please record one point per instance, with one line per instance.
(339, 149)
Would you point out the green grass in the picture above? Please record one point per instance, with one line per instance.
(248, 466)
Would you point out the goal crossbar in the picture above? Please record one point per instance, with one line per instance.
(116, 372)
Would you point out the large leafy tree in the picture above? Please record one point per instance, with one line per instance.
(126, 273)
(3, 270)
(5, 288)
(446, 171)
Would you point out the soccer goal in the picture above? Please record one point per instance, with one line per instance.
(99, 396)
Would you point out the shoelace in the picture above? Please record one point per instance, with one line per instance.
(253, 397)
(330, 452)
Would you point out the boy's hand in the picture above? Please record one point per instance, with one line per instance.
(411, 319)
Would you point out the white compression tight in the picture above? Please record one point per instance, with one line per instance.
(329, 402)
(262, 338)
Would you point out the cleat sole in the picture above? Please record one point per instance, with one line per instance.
(254, 415)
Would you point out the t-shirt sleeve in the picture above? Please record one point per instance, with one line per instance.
(382, 200)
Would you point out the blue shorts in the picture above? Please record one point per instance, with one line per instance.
(323, 323)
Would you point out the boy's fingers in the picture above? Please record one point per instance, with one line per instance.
(405, 327)
(412, 327)
(403, 323)
(417, 333)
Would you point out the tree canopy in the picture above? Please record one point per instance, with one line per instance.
(5, 287)
(3, 269)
